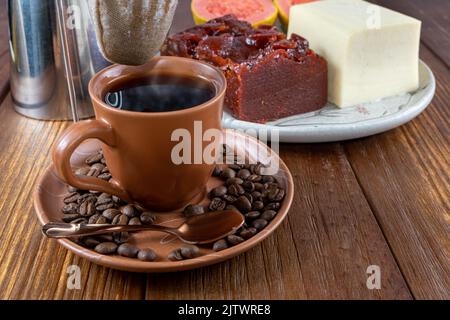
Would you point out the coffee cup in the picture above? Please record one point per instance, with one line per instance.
(138, 145)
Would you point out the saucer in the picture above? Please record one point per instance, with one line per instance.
(48, 201)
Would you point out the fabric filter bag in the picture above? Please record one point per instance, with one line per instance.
(131, 31)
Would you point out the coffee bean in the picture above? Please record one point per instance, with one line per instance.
(90, 242)
(248, 186)
(71, 197)
(259, 186)
(105, 170)
(110, 214)
(235, 166)
(134, 221)
(147, 217)
(93, 219)
(236, 190)
(120, 219)
(273, 206)
(79, 221)
(105, 206)
(268, 215)
(248, 233)
(103, 198)
(257, 205)
(106, 248)
(193, 210)
(229, 198)
(273, 194)
(189, 251)
(227, 174)
(101, 220)
(253, 215)
(243, 204)
(268, 179)
(259, 224)
(216, 172)
(95, 170)
(105, 176)
(87, 197)
(218, 192)
(249, 197)
(105, 237)
(71, 208)
(127, 250)
(234, 239)
(82, 171)
(175, 255)
(258, 169)
(243, 174)
(87, 208)
(117, 200)
(280, 195)
(254, 178)
(129, 211)
(147, 255)
(94, 158)
(217, 204)
(220, 245)
(70, 217)
(121, 237)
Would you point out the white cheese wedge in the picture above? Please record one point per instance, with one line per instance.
(372, 52)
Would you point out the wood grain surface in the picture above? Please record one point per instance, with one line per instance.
(382, 200)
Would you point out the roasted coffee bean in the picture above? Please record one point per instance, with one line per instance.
(218, 192)
(105, 206)
(106, 248)
(87, 208)
(105, 237)
(217, 204)
(103, 198)
(268, 215)
(258, 169)
(243, 174)
(257, 196)
(235, 190)
(227, 173)
(80, 221)
(134, 221)
(280, 195)
(105, 170)
(95, 170)
(116, 199)
(253, 215)
(257, 205)
(259, 186)
(216, 172)
(101, 220)
(90, 242)
(93, 219)
(229, 198)
(147, 217)
(248, 233)
(70, 217)
(234, 239)
(220, 245)
(94, 158)
(121, 237)
(259, 224)
(110, 214)
(249, 197)
(189, 251)
(71, 208)
(234, 181)
(248, 186)
(235, 166)
(72, 189)
(103, 161)
(105, 176)
(127, 250)
(129, 210)
(175, 255)
(243, 204)
(87, 197)
(268, 179)
(83, 171)
(71, 197)
(147, 255)
(270, 186)
(193, 210)
(273, 206)
(272, 194)
(120, 219)
(254, 178)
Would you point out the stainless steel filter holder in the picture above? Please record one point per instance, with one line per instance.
(54, 54)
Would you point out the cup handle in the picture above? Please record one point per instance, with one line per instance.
(66, 145)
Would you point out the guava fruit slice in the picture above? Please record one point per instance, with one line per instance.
(283, 7)
(256, 12)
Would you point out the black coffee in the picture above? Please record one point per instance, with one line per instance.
(162, 93)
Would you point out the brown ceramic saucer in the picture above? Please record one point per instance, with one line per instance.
(50, 190)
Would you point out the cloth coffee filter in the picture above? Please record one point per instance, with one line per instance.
(131, 31)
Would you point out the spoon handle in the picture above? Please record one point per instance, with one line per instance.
(67, 230)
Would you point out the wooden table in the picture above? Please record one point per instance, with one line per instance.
(382, 200)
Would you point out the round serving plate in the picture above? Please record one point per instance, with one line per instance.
(50, 191)
(335, 124)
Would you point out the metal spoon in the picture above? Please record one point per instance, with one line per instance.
(199, 229)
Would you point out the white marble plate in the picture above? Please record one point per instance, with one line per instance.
(334, 124)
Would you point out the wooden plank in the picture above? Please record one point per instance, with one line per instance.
(321, 252)
(405, 175)
(33, 267)
(435, 17)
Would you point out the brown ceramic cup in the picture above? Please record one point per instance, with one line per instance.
(137, 146)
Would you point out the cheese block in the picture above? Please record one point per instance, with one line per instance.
(372, 52)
